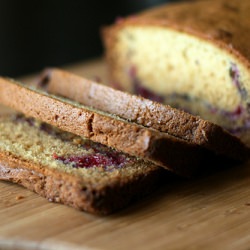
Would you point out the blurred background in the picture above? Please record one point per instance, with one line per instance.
(37, 34)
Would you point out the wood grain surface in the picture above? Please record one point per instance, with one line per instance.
(209, 212)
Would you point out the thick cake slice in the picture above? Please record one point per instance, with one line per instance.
(69, 169)
(174, 154)
(194, 56)
(144, 111)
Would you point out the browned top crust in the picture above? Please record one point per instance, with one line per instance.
(224, 23)
(167, 151)
(145, 112)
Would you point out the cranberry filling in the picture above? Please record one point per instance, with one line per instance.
(93, 160)
(238, 113)
(141, 90)
(144, 92)
(235, 76)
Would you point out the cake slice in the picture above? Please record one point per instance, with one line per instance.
(144, 111)
(172, 153)
(191, 55)
(70, 169)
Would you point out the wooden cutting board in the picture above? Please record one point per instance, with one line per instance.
(211, 212)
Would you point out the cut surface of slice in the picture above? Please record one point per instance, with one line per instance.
(69, 169)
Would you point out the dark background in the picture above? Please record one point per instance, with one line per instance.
(37, 34)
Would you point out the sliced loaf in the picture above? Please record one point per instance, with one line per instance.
(144, 111)
(174, 154)
(69, 169)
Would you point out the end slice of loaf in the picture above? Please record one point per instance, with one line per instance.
(69, 169)
(191, 55)
(174, 154)
(144, 112)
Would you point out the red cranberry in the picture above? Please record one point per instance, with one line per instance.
(93, 160)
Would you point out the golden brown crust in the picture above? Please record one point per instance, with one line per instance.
(127, 106)
(145, 112)
(149, 144)
(224, 23)
(71, 190)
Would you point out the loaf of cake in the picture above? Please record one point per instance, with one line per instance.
(174, 154)
(192, 55)
(144, 112)
(70, 169)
